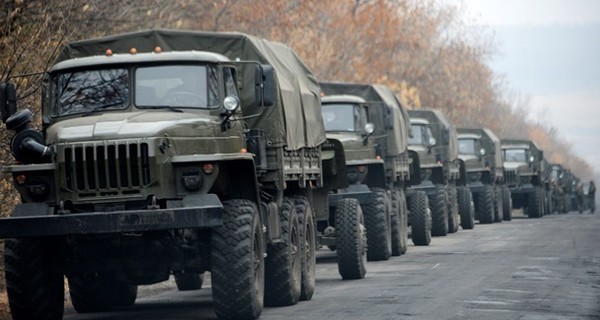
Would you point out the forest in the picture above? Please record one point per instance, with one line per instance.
(423, 50)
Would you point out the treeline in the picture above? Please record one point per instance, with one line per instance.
(420, 48)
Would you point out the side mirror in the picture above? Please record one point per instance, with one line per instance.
(431, 142)
(264, 85)
(368, 131)
(8, 100)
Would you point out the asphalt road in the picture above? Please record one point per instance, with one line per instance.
(526, 269)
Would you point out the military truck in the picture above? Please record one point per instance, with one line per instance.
(523, 172)
(167, 152)
(480, 150)
(434, 151)
(372, 125)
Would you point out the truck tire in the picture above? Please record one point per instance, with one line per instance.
(34, 281)
(506, 204)
(498, 210)
(378, 223)
(399, 223)
(100, 293)
(350, 239)
(189, 281)
(283, 265)
(452, 210)
(439, 212)
(534, 204)
(307, 247)
(465, 207)
(420, 219)
(485, 205)
(237, 262)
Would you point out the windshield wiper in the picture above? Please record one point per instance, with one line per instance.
(102, 106)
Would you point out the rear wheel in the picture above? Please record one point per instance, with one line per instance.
(307, 247)
(420, 219)
(237, 262)
(350, 239)
(189, 281)
(439, 212)
(452, 210)
(399, 223)
(378, 223)
(34, 281)
(284, 260)
(465, 207)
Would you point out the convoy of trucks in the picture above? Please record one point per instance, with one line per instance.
(181, 153)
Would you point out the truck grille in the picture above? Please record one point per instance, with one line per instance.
(510, 176)
(107, 166)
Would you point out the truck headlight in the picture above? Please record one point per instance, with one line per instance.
(192, 180)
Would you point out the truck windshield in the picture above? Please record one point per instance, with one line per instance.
(90, 90)
(340, 117)
(176, 86)
(517, 155)
(467, 146)
(421, 135)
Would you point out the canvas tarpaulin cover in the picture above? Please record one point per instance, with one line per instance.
(295, 121)
(397, 141)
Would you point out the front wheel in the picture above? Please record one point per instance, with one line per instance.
(34, 280)
(465, 207)
(351, 239)
(439, 212)
(506, 204)
(237, 262)
(377, 221)
(420, 218)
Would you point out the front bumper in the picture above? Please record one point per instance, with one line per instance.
(33, 220)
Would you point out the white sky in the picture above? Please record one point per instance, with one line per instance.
(531, 64)
(534, 12)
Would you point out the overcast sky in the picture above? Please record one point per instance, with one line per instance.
(549, 50)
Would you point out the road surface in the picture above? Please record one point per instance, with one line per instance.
(527, 269)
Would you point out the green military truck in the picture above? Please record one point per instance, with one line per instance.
(372, 125)
(434, 152)
(523, 173)
(564, 189)
(167, 152)
(480, 150)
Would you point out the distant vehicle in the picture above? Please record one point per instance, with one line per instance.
(480, 150)
(524, 175)
(372, 124)
(434, 151)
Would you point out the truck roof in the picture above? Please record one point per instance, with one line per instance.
(295, 121)
(342, 98)
(122, 58)
(397, 141)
